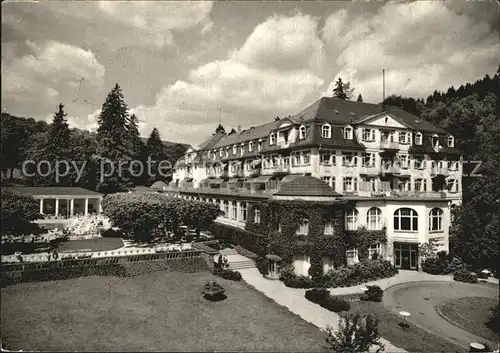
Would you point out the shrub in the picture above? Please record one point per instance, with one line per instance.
(464, 275)
(356, 333)
(299, 282)
(494, 321)
(262, 265)
(362, 272)
(247, 253)
(432, 265)
(335, 304)
(442, 264)
(373, 294)
(227, 274)
(317, 295)
(287, 273)
(112, 233)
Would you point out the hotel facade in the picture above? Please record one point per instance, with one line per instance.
(398, 172)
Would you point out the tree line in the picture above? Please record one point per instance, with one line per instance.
(117, 139)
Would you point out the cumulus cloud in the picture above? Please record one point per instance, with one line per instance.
(49, 68)
(157, 20)
(423, 45)
(261, 79)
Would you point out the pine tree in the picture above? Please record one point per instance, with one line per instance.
(360, 98)
(342, 90)
(134, 137)
(156, 152)
(112, 136)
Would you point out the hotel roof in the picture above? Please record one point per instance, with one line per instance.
(52, 191)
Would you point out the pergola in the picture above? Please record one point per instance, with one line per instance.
(63, 202)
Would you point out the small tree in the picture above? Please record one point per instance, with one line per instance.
(428, 249)
(360, 98)
(18, 211)
(356, 333)
(342, 90)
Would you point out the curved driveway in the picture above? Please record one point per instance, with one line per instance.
(421, 298)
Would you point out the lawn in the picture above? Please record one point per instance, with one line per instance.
(96, 244)
(155, 312)
(471, 313)
(413, 339)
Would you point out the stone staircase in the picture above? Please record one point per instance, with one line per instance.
(237, 261)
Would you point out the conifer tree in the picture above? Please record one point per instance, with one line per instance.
(113, 136)
(155, 150)
(342, 90)
(360, 98)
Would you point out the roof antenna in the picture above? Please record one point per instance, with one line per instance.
(220, 116)
(383, 89)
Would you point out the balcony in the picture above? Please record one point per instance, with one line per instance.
(436, 170)
(388, 145)
(417, 194)
(389, 169)
(369, 170)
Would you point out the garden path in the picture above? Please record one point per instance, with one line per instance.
(295, 301)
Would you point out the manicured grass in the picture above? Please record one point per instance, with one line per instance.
(413, 339)
(96, 244)
(156, 312)
(471, 313)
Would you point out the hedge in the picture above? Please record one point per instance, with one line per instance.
(323, 298)
(254, 242)
(464, 275)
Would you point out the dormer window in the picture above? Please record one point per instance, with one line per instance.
(302, 132)
(242, 149)
(326, 131)
(250, 146)
(451, 141)
(272, 139)
(235, 149)
(221, 152)
(348, 133)
(418, 139)
(435, 140)
(259, 145)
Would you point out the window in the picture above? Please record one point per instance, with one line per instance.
(272, 139)
(368, 160)
(302, 132)
(375, 249)
(226, 208)
(454, 165)
(452, 185)
(405, 219)
(436, 220)
(368, 135)
(351, 219)
(306, 157)
(349, 184)
(348, 159)
(419, 162)
(374, 218)
(234, 209)
(328, 228)
(402, 137)
(243, 212)
(418, 184)
(330, 180)
(403, 185)
(326, 158)
(403, 161)
(256, 215)
(303, 226)
(221, 152)
(250, 146)
(295, 158)
(326, 131)
(242, 149)
(387, 136)
(259, 146)
(451, 141)
(348, 133)
(435, 140)
(227, 151)
(235, 149)
(418, 139)
(351, 256)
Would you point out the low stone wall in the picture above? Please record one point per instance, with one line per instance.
(123, 266)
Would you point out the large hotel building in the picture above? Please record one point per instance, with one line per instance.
(400, 173)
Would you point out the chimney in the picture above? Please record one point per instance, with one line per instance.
(239, 129)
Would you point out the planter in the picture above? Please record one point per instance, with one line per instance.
(213, 291)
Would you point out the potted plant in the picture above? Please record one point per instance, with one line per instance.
(213, 290)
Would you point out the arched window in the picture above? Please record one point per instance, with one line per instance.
(405, 219)
(272, 139)
(234, 209)
(351, 219)
(374, 218)
(303, 226)
(435, 140)
(226, 208)
(243, 212)
(451, 141)
(259, 145)
(348, 133)
(328, 228)
(436, 219)
(250, 146)
(235, 149)
(326, 131)
(302, 132)
(256, 215)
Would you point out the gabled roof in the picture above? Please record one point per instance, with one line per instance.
(158, 185)
(52, 191)
(210, 141)
(307, 186)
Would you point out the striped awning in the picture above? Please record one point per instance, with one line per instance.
(261, 179)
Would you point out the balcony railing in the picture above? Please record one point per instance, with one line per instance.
(439, 170)
(389, 145)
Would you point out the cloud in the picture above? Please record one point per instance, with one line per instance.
(157, 20)
(423, 45)
(46, 70)
(253, 85)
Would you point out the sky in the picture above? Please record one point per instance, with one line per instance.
(183, 66)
